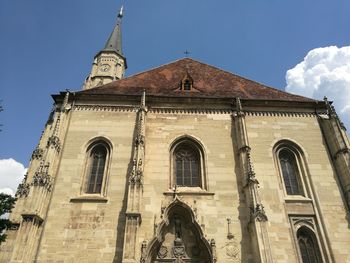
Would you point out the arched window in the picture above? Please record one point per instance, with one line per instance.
(290, 172)
(187, 162)
(308, 246)
(98, 154)
(187, 166)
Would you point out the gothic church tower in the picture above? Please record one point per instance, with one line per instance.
(109, 64)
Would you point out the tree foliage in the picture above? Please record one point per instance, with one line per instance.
(6, 204)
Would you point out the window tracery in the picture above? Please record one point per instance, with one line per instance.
(290, 172)
(96, 167)
(290, 164)
(308, 246)
(187, 164)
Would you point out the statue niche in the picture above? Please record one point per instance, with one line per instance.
(180, 239)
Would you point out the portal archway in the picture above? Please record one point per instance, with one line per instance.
(179, 238)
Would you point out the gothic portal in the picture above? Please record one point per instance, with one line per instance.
(179, 238)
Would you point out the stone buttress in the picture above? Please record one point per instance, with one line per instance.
(338, 146)
(257, 225)
(135, 189)
(34, 193)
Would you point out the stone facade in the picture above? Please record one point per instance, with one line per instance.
(103, 184)
(58, 222)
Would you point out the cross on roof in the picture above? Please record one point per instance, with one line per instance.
(186, 52)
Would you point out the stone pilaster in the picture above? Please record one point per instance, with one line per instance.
(258, 220)
(135, 190)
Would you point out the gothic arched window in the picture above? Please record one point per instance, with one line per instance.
(98, 155)
(290, 172)
(308, 246)
(187, 166)
(187, 162)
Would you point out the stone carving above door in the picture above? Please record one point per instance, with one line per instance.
(179, 238)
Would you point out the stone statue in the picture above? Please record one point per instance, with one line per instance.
(178, 234)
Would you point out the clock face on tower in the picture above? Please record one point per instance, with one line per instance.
(105, 67)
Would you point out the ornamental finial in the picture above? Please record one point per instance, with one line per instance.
(120, 15)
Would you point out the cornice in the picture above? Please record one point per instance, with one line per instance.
(190, 111)
(281, 113)
(122, 108)
(178, 110)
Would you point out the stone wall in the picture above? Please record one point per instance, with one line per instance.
(87, 228)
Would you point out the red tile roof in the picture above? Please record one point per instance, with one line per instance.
(208, 81)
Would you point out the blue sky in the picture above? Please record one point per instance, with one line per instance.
(48, 46)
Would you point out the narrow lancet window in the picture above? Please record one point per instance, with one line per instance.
(97, 163)
(308, 246)
(290, 172)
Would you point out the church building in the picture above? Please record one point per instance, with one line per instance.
(185, 162)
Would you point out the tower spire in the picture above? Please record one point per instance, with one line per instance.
(114, 42)
(110, 63)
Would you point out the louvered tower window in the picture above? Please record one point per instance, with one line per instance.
(97, 163)
(290, 172)
(308, 246)
(187, 166)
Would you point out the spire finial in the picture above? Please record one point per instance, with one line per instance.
(120, 14)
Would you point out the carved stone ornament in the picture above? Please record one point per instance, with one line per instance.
(332, 113)
(54, 142)
(14, 226)
(232, 250)
(143, 251)
(42, 178)
(37, 154)
(140, 140)
(229, 233)
(31, 218)
(250, 173)
(163, 252)
(23, 190)
(259, 213)
(179, 251)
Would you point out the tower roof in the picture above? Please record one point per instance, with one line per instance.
(206, 81)
(114, 42)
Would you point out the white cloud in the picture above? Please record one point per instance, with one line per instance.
(324, 72)
(11, 174)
